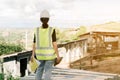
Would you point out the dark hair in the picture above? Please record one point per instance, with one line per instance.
(44, 22)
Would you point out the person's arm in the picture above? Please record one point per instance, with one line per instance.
(55, 44)
(33, 48)
(56, 49)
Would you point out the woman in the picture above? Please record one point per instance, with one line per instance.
(45, 47)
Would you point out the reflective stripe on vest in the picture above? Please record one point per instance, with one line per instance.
(38, 39)
(46, 52)
(40, 54)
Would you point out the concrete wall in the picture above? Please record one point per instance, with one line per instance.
(70, 52)
(73, 51)
(11, 68)
(11, 63)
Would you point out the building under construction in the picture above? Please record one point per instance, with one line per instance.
(100, 42)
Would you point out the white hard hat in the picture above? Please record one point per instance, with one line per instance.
(45, 14)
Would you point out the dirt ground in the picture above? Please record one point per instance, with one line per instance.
(106, 65)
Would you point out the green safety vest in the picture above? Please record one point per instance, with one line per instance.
(44, 48)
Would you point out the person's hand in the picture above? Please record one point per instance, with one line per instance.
(58, 59)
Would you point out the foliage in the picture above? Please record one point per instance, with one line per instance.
(60, 35)
(10, 48)
(66, 36)
(2, 40)
(82, 30)
(18, 36)
(1, 76)
(9, 77)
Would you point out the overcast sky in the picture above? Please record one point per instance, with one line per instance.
(64, 13)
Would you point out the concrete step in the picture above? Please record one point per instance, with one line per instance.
(73, 74)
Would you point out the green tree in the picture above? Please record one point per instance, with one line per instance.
(61, 35)
(82, 30)
(10, 48)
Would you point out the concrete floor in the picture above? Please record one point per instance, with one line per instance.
(73, 74)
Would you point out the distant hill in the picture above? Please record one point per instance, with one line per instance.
(25, 35)
(22, 36)
(109, 27)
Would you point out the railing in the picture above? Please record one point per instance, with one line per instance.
(73, 51)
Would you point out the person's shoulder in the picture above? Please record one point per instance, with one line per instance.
(35, 28)
(52, 28)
